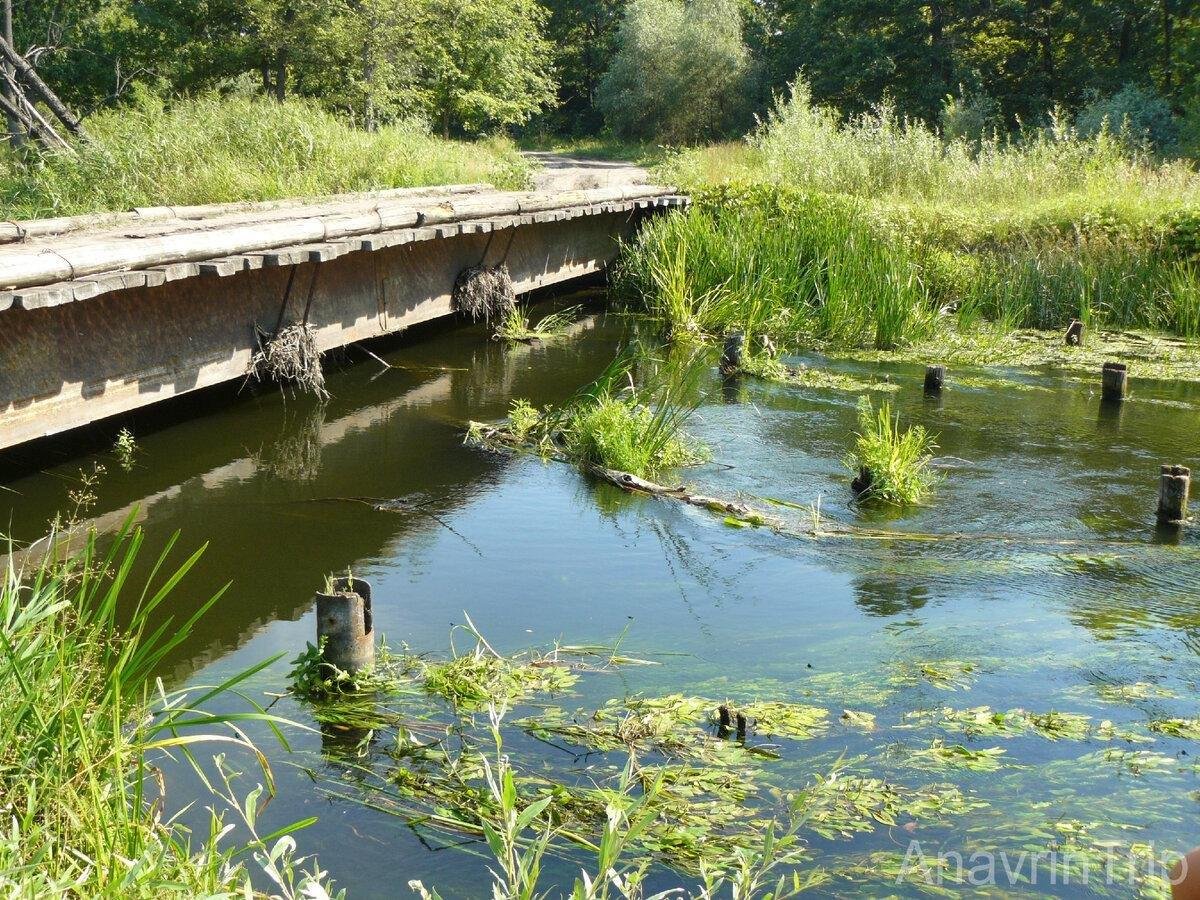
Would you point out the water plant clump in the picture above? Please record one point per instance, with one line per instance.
(516, 326)
(770, 368)
(890, 465)
(612, 424)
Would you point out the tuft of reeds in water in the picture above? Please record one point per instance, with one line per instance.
(811, 273)
(291, 358)
(514, 325)
(484, 292)
(613, 423)
(890, 464)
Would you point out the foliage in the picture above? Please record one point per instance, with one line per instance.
(890, 465)
(679, 73)
(208, 150)
(514, 325)
(1136, 115)
(815, 273)
(86, 722)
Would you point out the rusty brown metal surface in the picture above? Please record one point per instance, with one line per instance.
(67, 365)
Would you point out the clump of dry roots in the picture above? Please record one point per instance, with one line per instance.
(291, 357)
(484, 291)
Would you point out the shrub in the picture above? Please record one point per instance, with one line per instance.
(1137, 115)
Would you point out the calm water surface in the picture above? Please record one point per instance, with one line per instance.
(1060, 587)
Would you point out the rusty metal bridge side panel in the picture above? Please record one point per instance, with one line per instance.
(65, 366)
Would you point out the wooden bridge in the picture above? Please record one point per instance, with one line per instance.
(100, 315)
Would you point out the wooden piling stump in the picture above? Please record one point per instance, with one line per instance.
(1074, 335)
(1174, 484)
(344, 623)
(1114, 381)
(735, 346)
(935, 378)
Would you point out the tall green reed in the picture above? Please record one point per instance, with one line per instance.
(85, 720)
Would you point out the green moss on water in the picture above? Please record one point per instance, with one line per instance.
(1148, 355)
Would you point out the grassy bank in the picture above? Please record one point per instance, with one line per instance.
(83, 721)
(212, 150)
(879, 233)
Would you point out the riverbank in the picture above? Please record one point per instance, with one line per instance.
(218, 150)
(86, 725)
(879, 234)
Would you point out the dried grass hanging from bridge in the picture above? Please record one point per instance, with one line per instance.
(484, 292)
(291, 357)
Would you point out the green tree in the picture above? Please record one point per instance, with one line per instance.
(681, 72)
(484, 63)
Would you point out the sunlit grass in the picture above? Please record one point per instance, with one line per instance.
(890, 464)
(211, 150)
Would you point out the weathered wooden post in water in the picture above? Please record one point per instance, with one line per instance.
(935, 378)
(344, 624)
(735, 346)
(1114, 382)
(1174, 483)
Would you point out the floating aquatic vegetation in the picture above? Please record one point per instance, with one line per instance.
(983, 721)
(1135, 762)
(482, 676)
(789, 720)
(934, 875)
(1132, 693)
(840, 804)
(944, 674)
(940, 756)
(770, 368)
(854, 718)
(1180, 728)
(676, 726)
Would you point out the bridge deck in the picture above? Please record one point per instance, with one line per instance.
(101, 315)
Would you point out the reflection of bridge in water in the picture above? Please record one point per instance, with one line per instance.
(294, 485)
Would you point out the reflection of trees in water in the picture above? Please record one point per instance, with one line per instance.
(889, 596)
(296, 454)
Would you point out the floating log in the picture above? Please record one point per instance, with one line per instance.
(1174, 484)
(1114, 381)
(344, 625)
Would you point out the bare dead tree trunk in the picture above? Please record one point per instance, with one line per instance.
(34, 82)
(15, 133)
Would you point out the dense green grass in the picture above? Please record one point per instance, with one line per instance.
(877, 232)
(82, 722)
(212, 150)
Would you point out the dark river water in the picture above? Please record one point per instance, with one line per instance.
(1060, 595)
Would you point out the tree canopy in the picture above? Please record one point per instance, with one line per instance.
(677, 70)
